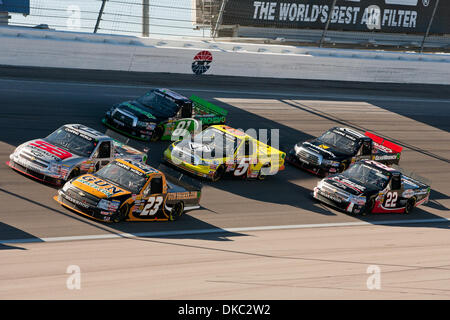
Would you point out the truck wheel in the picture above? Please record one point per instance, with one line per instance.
(157, 134)
(369, 206)
(123, 213)
(177, 211)
(410, 205)
(218, 174)
(262, 176)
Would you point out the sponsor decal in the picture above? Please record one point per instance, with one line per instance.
(147, 114)
(78, 133)
(124, 166)
(100, 185)
(408, 193)
(353, 15)
(339, 132)
(386, 157)
(202, 62)
(182, 195)
(77, 202)
(330, 196)
(349, 184)
(319, 149)
(53, 150)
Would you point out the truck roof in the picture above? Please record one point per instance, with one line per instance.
(381, 166)
(173, 94)
(142, 167)
(350, 132)
(92, 133)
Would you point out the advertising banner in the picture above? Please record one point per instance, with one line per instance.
(17, 6)
(404, 16)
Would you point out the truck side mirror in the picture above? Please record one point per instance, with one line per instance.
(366, 148)
(247, 148)
(396, 182)
(104, 151)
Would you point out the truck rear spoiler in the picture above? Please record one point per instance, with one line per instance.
(384, 145)
(208, 106)
(181, 179)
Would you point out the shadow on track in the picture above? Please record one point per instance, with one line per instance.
(8, 232)
(31, 115)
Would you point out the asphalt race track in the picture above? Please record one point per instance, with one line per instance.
(35, 102)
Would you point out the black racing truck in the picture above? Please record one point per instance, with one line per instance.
(162, 114)
(336, 149)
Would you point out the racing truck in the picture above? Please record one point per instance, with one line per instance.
(220, 150)
(131, 191)
(371, 187)
(162, 114)
(71, 150)
(338, 148)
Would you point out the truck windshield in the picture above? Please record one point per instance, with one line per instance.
(215, 144)
(367, 176)
(339, 141)
(72, 141)
(123, 176)
(158, 104)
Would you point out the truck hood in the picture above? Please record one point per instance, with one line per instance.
(98, 187)
(349, 185)
(46, 152)
(140, 111)
(328, 152)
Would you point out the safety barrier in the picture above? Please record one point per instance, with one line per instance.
(44, 48)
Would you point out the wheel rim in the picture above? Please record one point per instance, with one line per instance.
(177, 211)
(219, 173)
(123, 213)
(370, 205)
(410, 205)
(157, 134)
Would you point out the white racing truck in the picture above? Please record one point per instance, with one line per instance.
(71, 150)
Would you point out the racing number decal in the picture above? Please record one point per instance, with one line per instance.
(391, 200)
(182, 126)
(152, 206)
(242, 167)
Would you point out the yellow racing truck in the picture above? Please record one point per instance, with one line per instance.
(220, 150)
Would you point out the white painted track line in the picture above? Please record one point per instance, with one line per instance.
(225, 230)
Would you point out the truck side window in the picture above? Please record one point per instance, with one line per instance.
(396, 182)
(248, 148)
(366, 148)
(156, 185)
(186, 110)
(104, 150)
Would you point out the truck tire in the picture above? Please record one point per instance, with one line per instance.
(262, 176)
(157, 134)
(369, 206)
(123, 213)
(177, 211)
(218, 174)
(410, 205)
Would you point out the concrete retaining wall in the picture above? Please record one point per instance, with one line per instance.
(43, 48)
